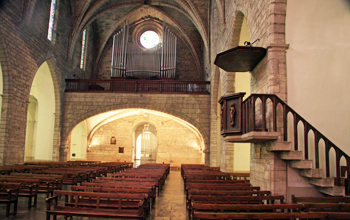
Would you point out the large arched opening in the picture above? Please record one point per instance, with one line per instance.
(41, 116)
(137, 135)
(241, 158)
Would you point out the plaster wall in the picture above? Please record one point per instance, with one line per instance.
(79, 142)
(43, 91)
(318, 65)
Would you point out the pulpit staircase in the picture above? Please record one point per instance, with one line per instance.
(259, 123)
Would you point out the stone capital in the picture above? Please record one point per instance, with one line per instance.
(277, 47)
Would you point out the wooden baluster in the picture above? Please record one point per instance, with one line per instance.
(337, 162)
(306, 140)
(295, 128)
(253, 113)
(317, 159)
(263, 113)
(347, 182)
(274, 112)
(285, 137)
(327, 149)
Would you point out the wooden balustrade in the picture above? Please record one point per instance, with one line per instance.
(138, 86)
(261, 113)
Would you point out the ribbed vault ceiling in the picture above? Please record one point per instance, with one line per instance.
(188, 19)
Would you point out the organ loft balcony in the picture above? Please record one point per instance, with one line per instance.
(148, 66)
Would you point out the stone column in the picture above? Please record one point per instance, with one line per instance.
(213, 141)
(226, 164)
(267, 170)
(56, 138)
(5, 103)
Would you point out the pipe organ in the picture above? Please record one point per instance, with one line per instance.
(129, 60)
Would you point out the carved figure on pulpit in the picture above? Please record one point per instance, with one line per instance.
(222, 117)
(232, 114)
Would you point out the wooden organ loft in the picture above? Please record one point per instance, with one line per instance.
(136, 69)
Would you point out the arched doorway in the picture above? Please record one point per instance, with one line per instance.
(145, 144)
(41, 116)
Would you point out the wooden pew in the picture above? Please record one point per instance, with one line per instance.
(48, 183)
(158, 174)
(208, 199)
(148, 191)
(217, 181)
(224, 193)
(198, 207)
(333, 199)
(254, 215)
(324, 204)
(220, 187)
(29, 188)
(137, 178)
(240, 175)
(70, 177)
(123, 185)
(8, 195)
(205, 176)
(88, 204)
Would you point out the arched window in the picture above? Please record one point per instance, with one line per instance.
(149, 39)
(83, 44)
(52, 20)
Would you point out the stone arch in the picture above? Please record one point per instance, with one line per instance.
(162, 103)
(237, 27)
(121, 125)
(5, 96)
(43, 91)
(57, 94)
(138, 15)
(215, 86)
(92, 14)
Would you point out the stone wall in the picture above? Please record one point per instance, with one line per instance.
(23, 48)
(194, 109)
(266, 22)
(267, 170)
(176, 143)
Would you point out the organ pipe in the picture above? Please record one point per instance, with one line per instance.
(129, 60)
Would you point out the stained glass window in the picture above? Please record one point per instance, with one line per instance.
(149, 39)
(52, 19)
(83, 43)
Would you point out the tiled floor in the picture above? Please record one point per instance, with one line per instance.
(170, 205)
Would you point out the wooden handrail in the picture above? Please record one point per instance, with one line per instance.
(256, 119)
(137, 86)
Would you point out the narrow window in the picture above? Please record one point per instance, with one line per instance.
(83, 44)
(52, 19)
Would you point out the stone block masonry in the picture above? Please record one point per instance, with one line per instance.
(194, 109)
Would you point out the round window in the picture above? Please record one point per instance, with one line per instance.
(149, 39)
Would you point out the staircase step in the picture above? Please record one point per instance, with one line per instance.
(324, 182)
(292, 155)
(301, 164)
(280, 146)
(333, 191)
(311, 173)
